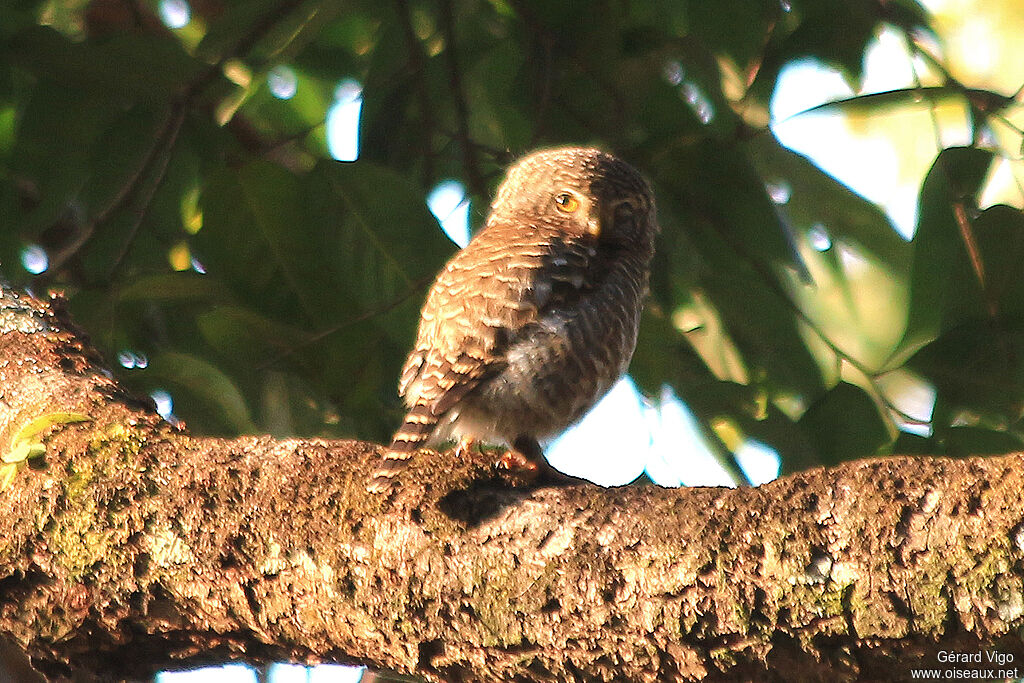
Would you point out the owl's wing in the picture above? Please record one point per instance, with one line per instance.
(480, 303)
(411, 370)
(486, 296)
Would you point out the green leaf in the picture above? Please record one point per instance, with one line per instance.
(999, 231)
(19, 452)
(347, 240)
(964, 442)
(40, 424)
(834, 31)
(243, 335)
(761, 322)
(259, 239)
(720, 26)
(723, 171)
(267, 31)
(845, 424)
(298, 117)
(976, 366)
(54, 149)
(337, 49)
(389, 239)
(24, 444)
(173, 287)
(860, 309)
(491, 83)
(815, 197)
(202, 392)
(736, 257)
(944, 285)
(875, 104)
(663, 356)
(13, 20)
(123, 68)
(345, 254)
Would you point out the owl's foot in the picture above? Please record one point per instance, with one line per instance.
(514, 461)
(467, 445)
(519, 469)
(526, 461)
(530, 472)
(526, 456)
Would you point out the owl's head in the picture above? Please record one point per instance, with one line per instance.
(581, 191)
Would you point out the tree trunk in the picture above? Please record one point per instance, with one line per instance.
(130, 547)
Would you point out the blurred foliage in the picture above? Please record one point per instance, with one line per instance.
(197, 221)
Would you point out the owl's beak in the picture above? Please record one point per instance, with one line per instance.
(602, 220)
(597, 220)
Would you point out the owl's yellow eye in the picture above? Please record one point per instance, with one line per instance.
(566, 203)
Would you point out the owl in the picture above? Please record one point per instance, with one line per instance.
(532, 322)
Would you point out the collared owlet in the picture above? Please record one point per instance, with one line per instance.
(536, 318)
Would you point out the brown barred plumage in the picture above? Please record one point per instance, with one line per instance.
(535, 320)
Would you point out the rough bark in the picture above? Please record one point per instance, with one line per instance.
(130, 546)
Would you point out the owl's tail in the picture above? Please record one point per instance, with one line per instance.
(411, 436)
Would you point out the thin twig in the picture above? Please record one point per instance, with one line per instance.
(499, 155)
(418, 69)
(121, 198)
(547, 41)
(469, 160)
(244, 45)
(380, 310)
(172, 129)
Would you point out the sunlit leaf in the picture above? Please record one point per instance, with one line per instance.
(7, 474)
(664, 356)
(873, 104)
(19, 452)
(40, 424)
(813, 197)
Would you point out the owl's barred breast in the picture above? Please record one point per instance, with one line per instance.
(532, 322)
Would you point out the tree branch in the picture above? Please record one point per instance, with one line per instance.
(130, 547)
